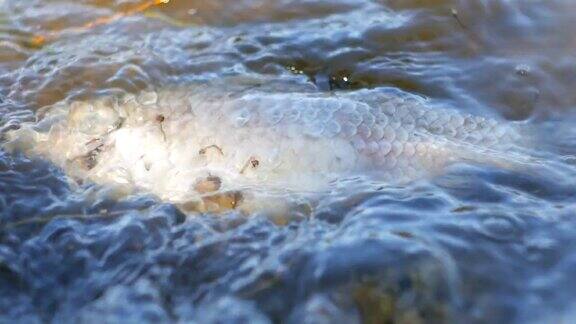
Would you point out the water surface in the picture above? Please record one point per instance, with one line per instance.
(477, 244)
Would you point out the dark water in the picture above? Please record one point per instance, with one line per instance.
(474, 245)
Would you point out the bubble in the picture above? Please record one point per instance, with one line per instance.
(522, 70)
(500, 228)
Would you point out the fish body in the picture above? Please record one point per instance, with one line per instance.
(177, 142)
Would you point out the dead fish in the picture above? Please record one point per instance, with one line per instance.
(262, 139)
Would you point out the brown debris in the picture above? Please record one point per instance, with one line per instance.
(252, 162)
(215, 203)
(209, 184)
(205, 150)
(160, 119)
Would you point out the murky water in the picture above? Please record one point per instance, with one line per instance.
(474, 244)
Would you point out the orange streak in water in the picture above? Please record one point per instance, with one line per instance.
(40, 40)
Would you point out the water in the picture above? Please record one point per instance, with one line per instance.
(474, 244)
